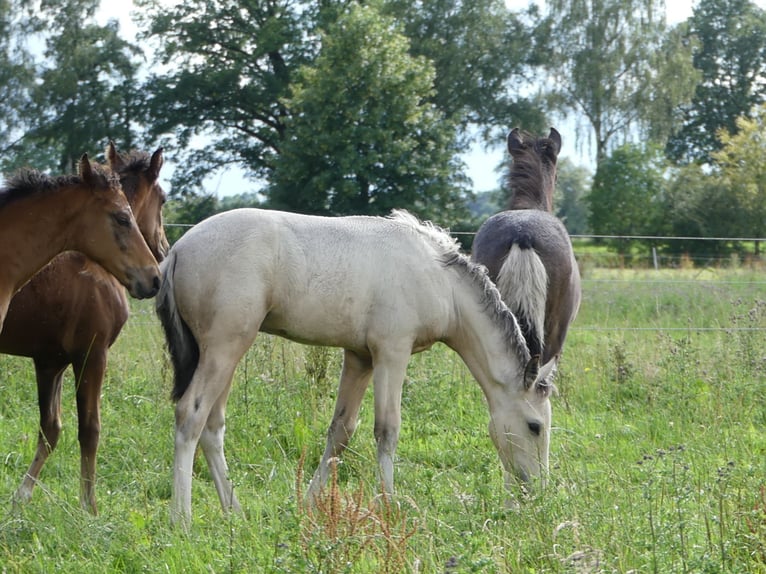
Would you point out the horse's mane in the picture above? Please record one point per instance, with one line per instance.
(26, 182)
(134, 163)
(529, 178)
(490, 297)
(440, 238)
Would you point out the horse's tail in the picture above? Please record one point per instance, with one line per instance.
(182, 346)
(523, 285)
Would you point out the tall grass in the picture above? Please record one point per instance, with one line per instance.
(658, 455)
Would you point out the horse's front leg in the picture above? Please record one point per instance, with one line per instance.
(49, 382)
(390, 369)
(354, 379)
(89, 377)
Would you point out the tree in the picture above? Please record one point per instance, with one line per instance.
(16, 78)
(608, 61)
(627, 193)
(482, 52)
(363, 136)
(731, 57)
(86, 90)
(696, 205)
(226, 70)
(743, 172)
(572, 184)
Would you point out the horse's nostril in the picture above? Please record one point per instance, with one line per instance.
(156, 283)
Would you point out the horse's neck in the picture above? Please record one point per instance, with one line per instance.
(480, 339)
(33, 230)
(521, 201)
(531, 191)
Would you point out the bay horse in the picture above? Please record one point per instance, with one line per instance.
(71, 312)
(42, 216)
(381, 288)
(527, 249)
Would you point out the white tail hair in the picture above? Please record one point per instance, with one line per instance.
(523, 285)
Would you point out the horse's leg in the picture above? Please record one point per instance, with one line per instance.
(49, 382)
(209, 386)
(354, 379)
(388, 375)
(89, 377)
(211, 442)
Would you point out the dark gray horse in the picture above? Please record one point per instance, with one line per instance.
(527, 249)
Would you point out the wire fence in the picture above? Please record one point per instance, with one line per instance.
(648, 261)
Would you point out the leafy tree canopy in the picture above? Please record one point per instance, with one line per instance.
(730, 55)
(364, 136)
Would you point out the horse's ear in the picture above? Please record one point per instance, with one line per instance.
(113, 157)
(555, 137)
(84, 169)
(515, 143)
(155, 164)
(530, 372)
(537, 376)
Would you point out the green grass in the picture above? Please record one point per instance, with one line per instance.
(658, 455)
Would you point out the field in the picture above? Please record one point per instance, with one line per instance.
(658, 455)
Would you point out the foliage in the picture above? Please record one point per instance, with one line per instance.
(363, 137)
(86, 91)
(225, 67)
(482, 53)
(572, 185)
(16, 77)
(608, 61)
(730, 55)
(743, 171)
(698, 205)
(626, 197)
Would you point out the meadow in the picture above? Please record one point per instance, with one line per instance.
(658, 454)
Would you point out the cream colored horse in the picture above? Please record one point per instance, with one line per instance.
(380, 288)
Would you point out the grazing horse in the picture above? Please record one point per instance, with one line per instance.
(527, 249)
(42, 216)
(71, 312)
(380, 288)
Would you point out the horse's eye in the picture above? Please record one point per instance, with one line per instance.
(122, 219)
(534, 427)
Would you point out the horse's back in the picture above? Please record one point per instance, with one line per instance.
(325, 280)
(546, 234)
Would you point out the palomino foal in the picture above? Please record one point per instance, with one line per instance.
(380, 288)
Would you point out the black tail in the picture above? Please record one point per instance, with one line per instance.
(182, 346)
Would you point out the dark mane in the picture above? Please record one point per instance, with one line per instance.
(133, 164)
(532, 175)
(26, 182)
(492, 302)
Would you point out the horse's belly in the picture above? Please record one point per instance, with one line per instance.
(326, 327)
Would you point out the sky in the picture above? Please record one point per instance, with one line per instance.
(482, 163)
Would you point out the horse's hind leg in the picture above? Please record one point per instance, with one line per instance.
(49, 381)
(209, 387)
(89, 377)
(211, 442)
(354, 379)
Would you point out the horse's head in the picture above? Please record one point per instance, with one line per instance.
(108, 232)
(520, 425)
(139, 175)
(532, 177)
